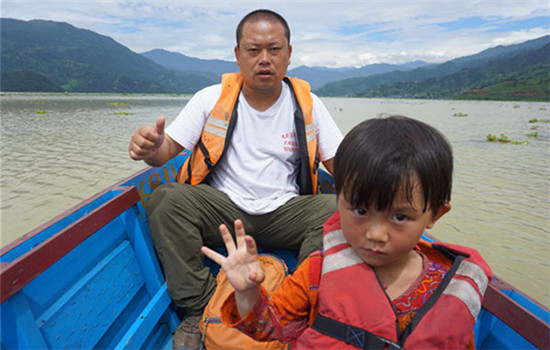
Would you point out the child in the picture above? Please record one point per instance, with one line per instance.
(376, 284)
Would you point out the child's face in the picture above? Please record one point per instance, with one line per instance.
(384, 238)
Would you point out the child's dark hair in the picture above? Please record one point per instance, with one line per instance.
(380, 156)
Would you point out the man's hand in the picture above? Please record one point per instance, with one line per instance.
(147, 140)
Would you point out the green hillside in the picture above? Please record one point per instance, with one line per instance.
(78, 60)
(46, 56)
(27, 81)
(525, 64)
(524, 76)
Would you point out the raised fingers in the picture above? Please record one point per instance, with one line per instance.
(212, 254)
(240, 233)
(250, 245)
(227, 239)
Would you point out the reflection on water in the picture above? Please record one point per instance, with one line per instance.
(54, 160)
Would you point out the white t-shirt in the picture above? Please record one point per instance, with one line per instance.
(259, 169)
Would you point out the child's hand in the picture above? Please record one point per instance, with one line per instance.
(242, 266)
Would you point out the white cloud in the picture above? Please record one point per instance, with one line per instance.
(324, 33)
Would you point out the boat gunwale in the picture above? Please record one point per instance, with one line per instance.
(16, 274)
(515, 315)
(38, 229)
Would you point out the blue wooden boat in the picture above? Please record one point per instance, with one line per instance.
(89, 278)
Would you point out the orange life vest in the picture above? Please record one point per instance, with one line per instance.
(355, 312)
(220, 124)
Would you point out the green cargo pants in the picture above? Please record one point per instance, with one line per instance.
(182, 218)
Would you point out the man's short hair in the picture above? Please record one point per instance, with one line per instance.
(259, 15)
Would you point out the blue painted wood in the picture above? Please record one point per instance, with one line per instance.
(149, 179)
(86, 311)
(19, 329)
(42, 292)
(124, 321)
(510, 320)
(137, 336)
(143, 246)
(160, 339)
(492, 333)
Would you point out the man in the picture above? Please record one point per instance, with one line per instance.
(256, 140)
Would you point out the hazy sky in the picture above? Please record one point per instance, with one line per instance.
(323, 33)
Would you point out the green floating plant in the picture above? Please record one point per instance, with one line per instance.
(504, 139)
(40, 111)
(117, 104)
(535, 120)
(533, 134)
(122, 113)
(460, 115)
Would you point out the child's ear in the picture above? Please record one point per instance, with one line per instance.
(444, 209)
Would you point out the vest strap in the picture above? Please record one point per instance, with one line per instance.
(352, 335)
(206, 154)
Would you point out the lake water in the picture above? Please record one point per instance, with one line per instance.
(57, 150)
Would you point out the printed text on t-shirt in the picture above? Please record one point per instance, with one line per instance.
(290, 143)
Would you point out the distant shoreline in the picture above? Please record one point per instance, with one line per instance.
(174, 95)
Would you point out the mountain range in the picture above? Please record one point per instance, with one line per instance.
(47, 56)
(78, 60)
(316, 76)
(476, 72)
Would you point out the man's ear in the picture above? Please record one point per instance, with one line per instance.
(444, 209)
(289, 53)
(237, 53)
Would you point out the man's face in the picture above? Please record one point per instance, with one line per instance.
(263, 54)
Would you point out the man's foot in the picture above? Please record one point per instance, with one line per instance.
(188, 336)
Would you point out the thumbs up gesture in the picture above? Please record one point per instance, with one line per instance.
(147, 140)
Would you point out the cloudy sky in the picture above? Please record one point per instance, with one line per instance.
(323, 33)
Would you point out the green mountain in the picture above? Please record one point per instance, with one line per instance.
(468, 76)
(78, 60)
(27, 81)
(525, 76)
(46, 56)
(176, 61)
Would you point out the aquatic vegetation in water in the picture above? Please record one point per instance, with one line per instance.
(504, 139)
(40, 104)
(535, 120)
(117, 104)
(533, 134)
(460, 114)
(122, 113)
